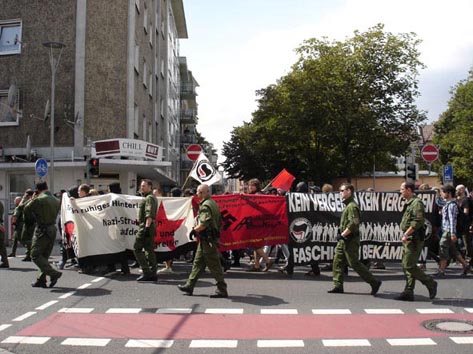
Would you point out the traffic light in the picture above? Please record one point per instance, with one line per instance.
(411, 172)
(94, 167)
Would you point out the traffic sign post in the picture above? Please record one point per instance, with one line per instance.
(429, 153)
(193, 151)
(447, 174)
(41, 167)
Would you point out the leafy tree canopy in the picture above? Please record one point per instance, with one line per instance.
(343, 104)
(453, 132)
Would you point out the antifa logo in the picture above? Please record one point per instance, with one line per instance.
(227, 219)
(300, 230)
(205, 171)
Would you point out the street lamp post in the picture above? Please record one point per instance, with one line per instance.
(54, 48)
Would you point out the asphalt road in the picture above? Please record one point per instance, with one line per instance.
(266, 312)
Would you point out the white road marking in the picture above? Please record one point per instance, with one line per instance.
(346, 343)
(429, 311)
(202, 343)
(225, 311)
(96, 280)
(24, 316)
(279, 312)
(66, 295)
(462, 340)
(86, 342)
(83, 286)
(470, 310)
(123, 310)
(171, 310)
(149, 343)
(280, 343)
(383, 311)
(4, 326)
(76, 310)
(410, 341)
(26, 340)
(46, 305)
(331, 312)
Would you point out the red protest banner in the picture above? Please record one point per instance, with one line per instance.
(283, 180)
(252, 221)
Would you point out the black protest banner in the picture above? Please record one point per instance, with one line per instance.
(314, 222)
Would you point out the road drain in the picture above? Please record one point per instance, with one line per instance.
(447, 325)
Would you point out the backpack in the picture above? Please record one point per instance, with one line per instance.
(462, 219)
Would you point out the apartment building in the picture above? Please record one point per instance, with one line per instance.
(116, 92)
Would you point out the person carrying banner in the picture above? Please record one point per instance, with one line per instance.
(208, 228)
(3, 249)
(412, 226)
(348, 245)
(44, 208)
(450, 233)
(146, 232)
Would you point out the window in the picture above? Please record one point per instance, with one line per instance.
(9, 115)
(145, 73)
(137, 4)
(150, 87)
(10, 37)
(136, 121)
(137, 58)
(145, 17)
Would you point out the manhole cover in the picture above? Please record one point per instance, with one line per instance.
(449, 325)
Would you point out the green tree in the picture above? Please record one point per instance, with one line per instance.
(343, 105)
(454, 129)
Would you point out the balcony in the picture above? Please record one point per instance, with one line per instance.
(188, 139)
(188, 90)
(189, 116)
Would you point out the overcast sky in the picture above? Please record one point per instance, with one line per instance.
(236, 47)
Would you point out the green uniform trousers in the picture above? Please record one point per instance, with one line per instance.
(16, 239)
(43, 243)
(27, 237)
(144, 250)
(3, 249)
(410, 257)
(207, 255)
(347, 252)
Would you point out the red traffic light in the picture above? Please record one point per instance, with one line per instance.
(94, 162)
(94, 169)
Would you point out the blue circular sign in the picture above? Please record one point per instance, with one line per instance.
(41, 167)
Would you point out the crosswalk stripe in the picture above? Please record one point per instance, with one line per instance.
(76, 310)
(225, 311)
(384, 311)
(279, 312)
(174, 310)
(280, 343)
(46, 305)
(86, 342)
(24, 316)
(410, 341)
(84, 286)
(66, 295)
(123, 310)
(331, 312)
(200, 343)
(25, 340)
(149, 343)
(346, 343)
(96, 280)
(433, 311)
(4, 326)
(462, 340)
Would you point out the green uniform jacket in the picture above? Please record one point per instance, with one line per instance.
(209, 216)
(350, 217)
(18, 213)
(148, 209)
(413, 214)
(44, 208)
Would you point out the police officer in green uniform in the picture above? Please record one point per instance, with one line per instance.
(146, 232)
(17, 224)
(3, 247)
(18, 220)
(27, 231)
(208, 225)
(348, 246)
(412, 226)
(44, 208)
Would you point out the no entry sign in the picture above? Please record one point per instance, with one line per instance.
(430, 153)
(193, 151)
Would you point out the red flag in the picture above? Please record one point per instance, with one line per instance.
(283, 180)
